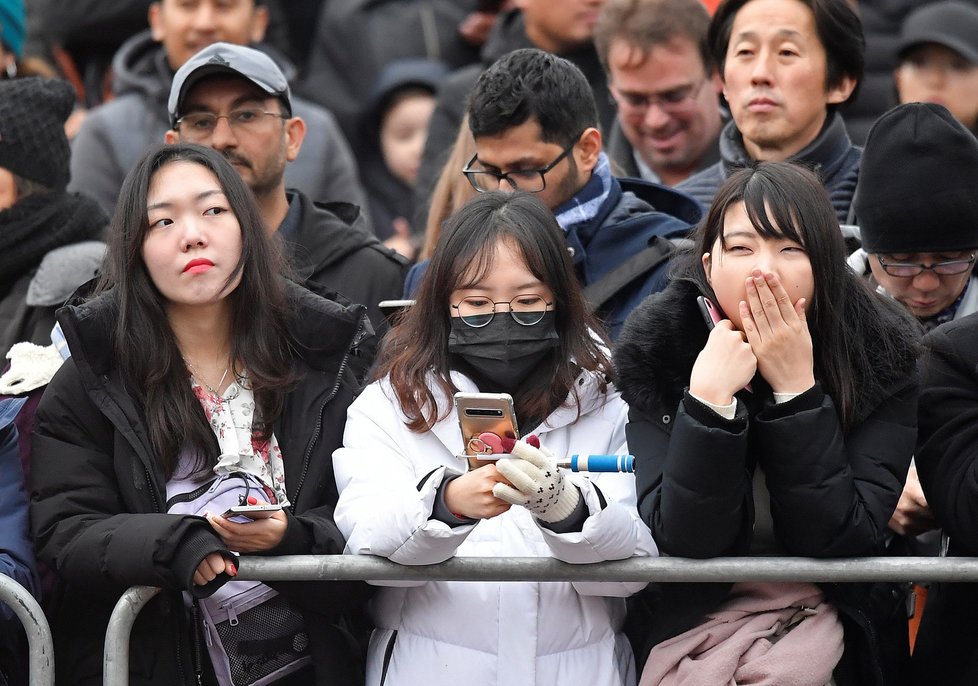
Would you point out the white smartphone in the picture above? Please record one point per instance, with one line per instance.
(252, 511)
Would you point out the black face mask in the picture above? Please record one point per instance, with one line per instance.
(503, 352)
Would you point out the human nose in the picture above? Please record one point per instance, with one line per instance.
(761, 72)
(927, 280)
(223, 135)
(204, 17)
(656, 116)
(193, 235)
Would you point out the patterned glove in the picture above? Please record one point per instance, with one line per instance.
(538, 485)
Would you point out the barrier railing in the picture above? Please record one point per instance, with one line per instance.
(657, 569)
(40, 643)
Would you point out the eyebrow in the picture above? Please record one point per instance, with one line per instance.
(237, 102)
(781, 33)
(526, 160)
(168, 203)
(742, 233)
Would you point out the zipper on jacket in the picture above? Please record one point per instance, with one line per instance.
(319, 419)
(152, 490)
(388, 654)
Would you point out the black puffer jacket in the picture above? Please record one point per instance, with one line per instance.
(98, 494)
(832, 494)
(947, 461)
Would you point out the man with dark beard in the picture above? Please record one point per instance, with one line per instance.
(237, 101)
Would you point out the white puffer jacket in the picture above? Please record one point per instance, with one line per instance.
(503, 634)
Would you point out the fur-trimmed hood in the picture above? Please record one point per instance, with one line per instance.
(655, 352)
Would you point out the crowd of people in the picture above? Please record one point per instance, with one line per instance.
(253, 249)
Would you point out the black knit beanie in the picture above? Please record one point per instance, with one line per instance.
(33, 144)
(918, 183)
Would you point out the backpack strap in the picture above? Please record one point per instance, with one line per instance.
(658, 251)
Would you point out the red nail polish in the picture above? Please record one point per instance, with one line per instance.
(252, 500)
(234, 570)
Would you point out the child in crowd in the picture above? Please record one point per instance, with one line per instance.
(396, 127)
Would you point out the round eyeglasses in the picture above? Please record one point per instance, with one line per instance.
(526, 309)
(911, 269)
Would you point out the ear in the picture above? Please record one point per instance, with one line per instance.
(716, 83)
(840, 92)
(295, 133)
(259, 24)
(156, 22)
(171, 137)
(588, 149)
(897, 80)
(707, 264)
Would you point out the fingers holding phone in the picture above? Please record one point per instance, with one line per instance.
(264, 531)
(471, 496)
(724, 366)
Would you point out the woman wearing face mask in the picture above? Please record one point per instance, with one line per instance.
(786, 430)
(499, 310)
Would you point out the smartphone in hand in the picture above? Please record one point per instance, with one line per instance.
(252, 511)
(484, 413)
(711, 315)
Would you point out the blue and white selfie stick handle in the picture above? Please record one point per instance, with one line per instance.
(599, 463)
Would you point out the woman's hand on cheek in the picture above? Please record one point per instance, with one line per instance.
(470, 495)
(724, 366)
(250, 537)
(777, 331)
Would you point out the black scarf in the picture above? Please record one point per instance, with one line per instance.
(39, 223)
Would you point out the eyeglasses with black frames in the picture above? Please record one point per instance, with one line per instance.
(526, 309)
(201, 125)
(528, 180)
(911, 269)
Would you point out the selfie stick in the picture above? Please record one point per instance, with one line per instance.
(599, 463)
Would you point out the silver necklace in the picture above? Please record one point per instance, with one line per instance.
(197, 375)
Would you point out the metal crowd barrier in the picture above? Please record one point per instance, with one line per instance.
(657, 569)
(40, 643)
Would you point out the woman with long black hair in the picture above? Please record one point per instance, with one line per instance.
(787, 429)
(197, 372)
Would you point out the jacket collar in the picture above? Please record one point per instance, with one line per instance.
(825, 154)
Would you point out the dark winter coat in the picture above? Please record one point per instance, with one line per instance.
(329, 245)
(946, 463)
(832, 156)
(99, 493)
(832, 493)
(114, 135)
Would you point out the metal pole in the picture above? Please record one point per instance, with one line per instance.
(41, 660)
(115, 663)
(657, 569)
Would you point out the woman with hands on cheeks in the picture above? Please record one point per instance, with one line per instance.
(787, 429)
(199, 379)
(499, 311)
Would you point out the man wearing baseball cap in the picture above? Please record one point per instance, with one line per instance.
(938, 52)
(116, 133)
(237, 101)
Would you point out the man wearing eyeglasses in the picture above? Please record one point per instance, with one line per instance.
(534, 121)
(662, 77)
(918, 218)
(116, 133)
(237, 101)
(918, 213)
(786, 66)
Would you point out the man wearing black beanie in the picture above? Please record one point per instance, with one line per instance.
(917, 208)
